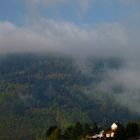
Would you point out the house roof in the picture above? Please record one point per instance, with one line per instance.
(117, 123)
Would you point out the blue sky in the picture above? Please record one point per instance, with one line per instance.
(76, 11)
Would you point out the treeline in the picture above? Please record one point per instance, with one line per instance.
(73, 132)
(131, 130)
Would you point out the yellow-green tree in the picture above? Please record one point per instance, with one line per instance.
(55, 135)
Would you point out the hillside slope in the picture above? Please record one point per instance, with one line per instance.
(37, 91)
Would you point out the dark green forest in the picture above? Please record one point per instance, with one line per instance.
(40, 90)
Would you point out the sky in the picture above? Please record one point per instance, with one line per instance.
(88, 12)
(80, 28)
(87, 26)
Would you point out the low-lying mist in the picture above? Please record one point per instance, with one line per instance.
(105, 41)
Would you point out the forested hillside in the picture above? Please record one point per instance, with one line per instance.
(38, 91)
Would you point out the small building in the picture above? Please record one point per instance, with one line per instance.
(110, 134)
(99, 136)
(114, 127)
(105, 135)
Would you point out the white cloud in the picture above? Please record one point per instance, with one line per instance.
(123, 84)
(63, 37)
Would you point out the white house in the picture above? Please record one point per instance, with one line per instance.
(114, 126)
(113, 130)
(109, 134)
